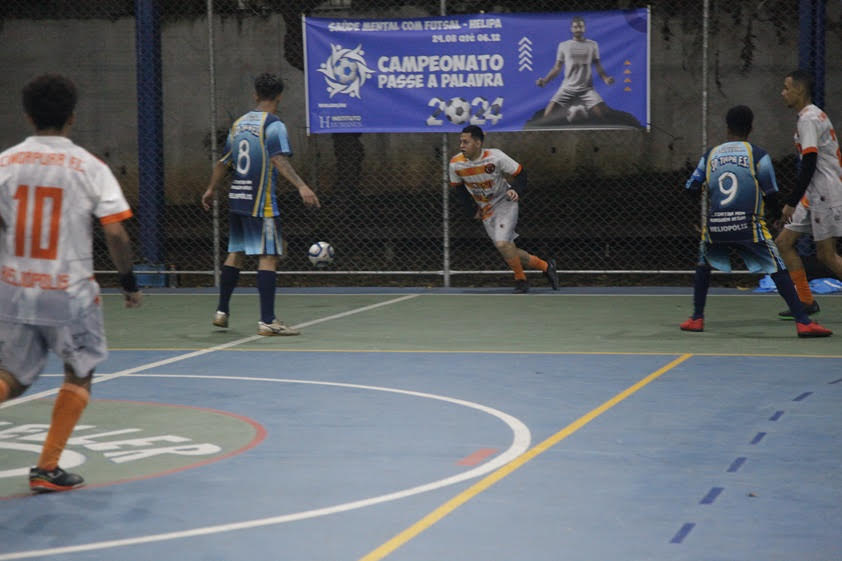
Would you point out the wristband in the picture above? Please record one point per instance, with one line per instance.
(129, 282)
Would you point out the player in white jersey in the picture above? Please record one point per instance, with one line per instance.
(815, 204)
(489, 185)
(50, 191)
(576, 97)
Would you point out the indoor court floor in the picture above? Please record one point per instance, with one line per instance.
(443, 424)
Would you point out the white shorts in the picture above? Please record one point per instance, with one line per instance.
(589, 98)
(500, 226)
(24, 348)
(821, 223)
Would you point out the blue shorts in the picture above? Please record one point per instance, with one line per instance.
(254, 235)
(759, 257)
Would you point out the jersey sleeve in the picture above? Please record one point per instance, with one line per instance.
(765, 172)
(559, 54)
(277, 140)
(227, 158)
(455, 180)
(507, 164)
(699, 174)
(111, 205)
(595, 50)
(808, 135)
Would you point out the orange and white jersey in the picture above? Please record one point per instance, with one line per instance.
(815, 133)
(50, 191)
(483, 177)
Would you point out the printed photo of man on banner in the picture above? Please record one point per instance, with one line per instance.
(503, 72)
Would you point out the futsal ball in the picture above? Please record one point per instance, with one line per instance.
(345, 70)
(320, 254)
(457, 110)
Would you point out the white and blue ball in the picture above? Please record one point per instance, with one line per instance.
(320, 254)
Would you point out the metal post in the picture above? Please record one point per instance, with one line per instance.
(445, 186)
(811, 50)
(214, 148)
(703, 203)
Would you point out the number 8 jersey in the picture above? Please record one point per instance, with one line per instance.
(50, 190)
(738, 175)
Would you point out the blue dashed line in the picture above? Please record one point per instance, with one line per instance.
(736, 464)
(711, 496)
(835, 381)
(802, 396)
(682, 533)
(757, 438)
(776, 416)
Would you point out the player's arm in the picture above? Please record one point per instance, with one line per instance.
(220, 171)
(805, 175)
(765, 173)
(541, 82)
(602, 73)
(284, 167)
(464, 199)
(120, 250)
(517, 185)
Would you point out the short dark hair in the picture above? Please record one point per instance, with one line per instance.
(580, 19)
(475, 132)
(49, 100)
(268, 86)
(804, 78)
(739, 119)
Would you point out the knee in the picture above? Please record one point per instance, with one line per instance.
(15, 387)
(71, 377)
(826, 253)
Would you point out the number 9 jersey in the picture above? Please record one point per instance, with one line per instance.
(50, 190)
(738, 174)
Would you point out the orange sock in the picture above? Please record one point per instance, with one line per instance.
(5, 390)
(70, 403)
(537, 263)
(517, 267)
(799, 279)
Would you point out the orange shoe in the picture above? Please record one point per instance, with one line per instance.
(812, 330)
(695, 325)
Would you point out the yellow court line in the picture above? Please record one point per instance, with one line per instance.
(489, 480)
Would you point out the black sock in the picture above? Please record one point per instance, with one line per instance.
(787, 290)
(701, 283)
(227, 283)
(266, 289)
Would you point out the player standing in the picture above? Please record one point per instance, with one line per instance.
(815, 204)
(50, 189)
(485, 174)
(257, 149)
(740, 176)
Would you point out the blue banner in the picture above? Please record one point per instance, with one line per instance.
(503, 72)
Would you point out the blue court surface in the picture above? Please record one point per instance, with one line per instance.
(436, 425)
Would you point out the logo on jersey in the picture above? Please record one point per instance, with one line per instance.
(489, 168)
(345, 71)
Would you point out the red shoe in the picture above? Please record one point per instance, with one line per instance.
(812, 330)
(698, 325)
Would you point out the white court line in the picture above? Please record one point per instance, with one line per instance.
(521, 440)
(164, 362)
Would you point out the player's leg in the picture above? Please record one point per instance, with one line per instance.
(764, 257)
(499, 223)
(510, 253)
(785, 241)
(230, 273)
(267, 243)
(701, 285)
(535, 263)
(826, 253)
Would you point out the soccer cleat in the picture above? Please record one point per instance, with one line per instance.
(693, 325)
(220, 319)
(521, 286)
(551, 273)
(275, 328)
(809, 309)
(812, 330)
(43, 481)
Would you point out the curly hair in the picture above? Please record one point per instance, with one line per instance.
(268, 86)
(49, 100)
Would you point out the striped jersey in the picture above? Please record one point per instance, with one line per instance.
(50, 191)
(815, 133)
(577, 58)
(483, 177)
(738, 175)
(252, 141)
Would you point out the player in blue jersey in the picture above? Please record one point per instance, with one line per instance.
(256, 152)
(740, 180)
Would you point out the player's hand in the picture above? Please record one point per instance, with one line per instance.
(308, 197)
(512, 195)
(133, 299)
(786, 216)
(608, 80)
(207, 199)
(540, 82)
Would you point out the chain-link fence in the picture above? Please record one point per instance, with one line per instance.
(155, 78)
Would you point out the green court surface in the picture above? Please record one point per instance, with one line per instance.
(736, 323)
